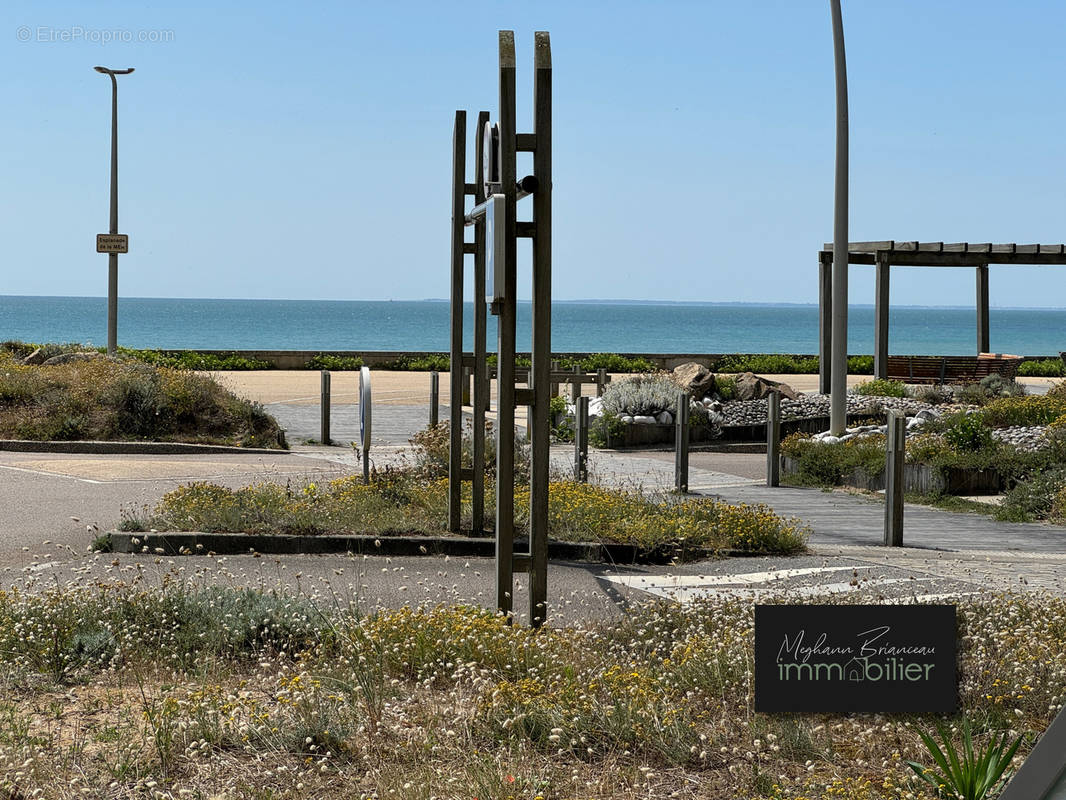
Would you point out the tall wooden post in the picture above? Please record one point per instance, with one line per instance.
(324, 403)
(825, 321)
(773, 439)
(894, 460)
(481, 383)
(581, 440)
(505, 326)
(455, 424)
(681, 444)
(881, 305)
(434, 397)
(540, 372)
(983, 339)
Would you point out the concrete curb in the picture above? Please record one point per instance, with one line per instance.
(173, 544)
(130, 448)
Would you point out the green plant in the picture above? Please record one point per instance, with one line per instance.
(969, 774)
(767, 364)
(606, 430)
(967, 432)
(725, 387)
(1032, 410)
(881, 388)
(1042, 368)
(1034, 497)
(333, 362)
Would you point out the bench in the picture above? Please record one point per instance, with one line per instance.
(952, 369)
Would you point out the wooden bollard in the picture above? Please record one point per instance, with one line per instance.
(681, 444)
(601, 381)
(894, 460)
(324, 408)
(553, 386)
(575, 385)
(434, 397)
(773, 439)
(581, 440)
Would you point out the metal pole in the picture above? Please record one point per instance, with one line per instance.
(324, 408)
(838, 378)
(894, 460)
(773, 439)
(112, 258)
(581, 440)
(681, 444)
(434, 397)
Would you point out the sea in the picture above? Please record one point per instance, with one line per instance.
(581, 326)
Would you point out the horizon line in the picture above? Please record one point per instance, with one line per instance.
(577, 301)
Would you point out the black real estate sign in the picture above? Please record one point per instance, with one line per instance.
(887, 658)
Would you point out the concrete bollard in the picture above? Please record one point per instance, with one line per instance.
(581, 440)
(894, 460)
(681, 444)
(324, 408)
(773, 439)
(434, 397)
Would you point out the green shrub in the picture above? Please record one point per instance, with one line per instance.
(645, 395)
(1042, 368)
(861, 365)
(433, 444)
(725, 387)
(933, 395)
(190, 360)
(881, 388)
(612, 362)
(606, 430)
(1034, 497)
(109, 399)
(967, 432)
(767, 364)
(332, 362)
(1031, 410)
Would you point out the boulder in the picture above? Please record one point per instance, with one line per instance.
(69, 358)
(754, 387)
(38, 356)
(665, 418)
(695, 379)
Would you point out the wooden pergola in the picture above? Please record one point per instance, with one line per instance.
(885, 255)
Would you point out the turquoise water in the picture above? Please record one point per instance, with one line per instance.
(581, 327)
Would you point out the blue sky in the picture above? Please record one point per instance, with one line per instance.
(294, 151)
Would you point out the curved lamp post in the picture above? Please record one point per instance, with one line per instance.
(838, 379)
(112, 258)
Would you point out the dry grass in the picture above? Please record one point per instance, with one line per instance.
(223, 694)
(110, 399)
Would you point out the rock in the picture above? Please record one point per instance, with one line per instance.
(753, 387)
(665, 418)
(69, 358)
(643, 419)
(38, 356)
(695, 379)
(627, 419)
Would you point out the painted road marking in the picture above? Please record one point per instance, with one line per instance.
(753, 585)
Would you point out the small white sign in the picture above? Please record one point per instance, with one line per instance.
(112, 243)
(495, 247)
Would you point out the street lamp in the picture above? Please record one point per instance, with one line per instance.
(112, 248)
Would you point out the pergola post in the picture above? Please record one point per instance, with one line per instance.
(881, 316)
(455, 414)
(982, 310)
(825, 321)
